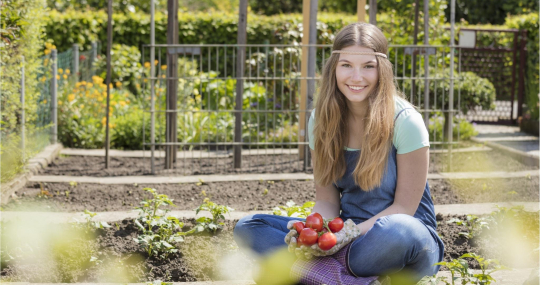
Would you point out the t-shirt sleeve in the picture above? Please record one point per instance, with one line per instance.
(311, 126)
(410, 132)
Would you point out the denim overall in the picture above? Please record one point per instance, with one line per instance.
(395, 243)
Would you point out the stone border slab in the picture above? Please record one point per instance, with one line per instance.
(213, 154)
(254, 177)
(34, 165)
(506, 277)
(521, 156)
(180, 154)
(63, 217)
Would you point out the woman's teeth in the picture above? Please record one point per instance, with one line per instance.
(357, 88)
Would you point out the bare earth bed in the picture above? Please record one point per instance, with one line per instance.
(123, 166)
(246, 195)
(114, 252)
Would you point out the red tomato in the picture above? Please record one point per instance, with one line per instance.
(327, 241)
(315, 221)
(336, 225)
(299, 226)
(308, 237)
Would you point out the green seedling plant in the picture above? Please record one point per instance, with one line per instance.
(457, 267)
(89, 224)
(292, 210)
(160, 233)
(218, 216)
(485, 278)
(473, 224)
(460, 266)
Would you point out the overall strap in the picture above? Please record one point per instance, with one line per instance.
(400, 114)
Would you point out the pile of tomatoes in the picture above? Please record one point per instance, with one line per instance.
(318, 230)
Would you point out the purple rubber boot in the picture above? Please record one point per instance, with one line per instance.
(329, 270)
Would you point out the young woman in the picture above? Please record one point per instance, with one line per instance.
(370, 151)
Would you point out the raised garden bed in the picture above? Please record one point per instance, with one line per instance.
(116, 257)
(246, 195)
(482, 161)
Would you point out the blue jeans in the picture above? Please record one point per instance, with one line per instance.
(394, 243)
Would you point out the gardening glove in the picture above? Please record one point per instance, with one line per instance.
(349, 233)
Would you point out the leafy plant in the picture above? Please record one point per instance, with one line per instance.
(292, 210)
(89, 224)
(461, 266)
(160, 233)
(218, 216)
(473, 224)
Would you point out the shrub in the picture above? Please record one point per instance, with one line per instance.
(126, 62)
(462, 128)
(21, 34)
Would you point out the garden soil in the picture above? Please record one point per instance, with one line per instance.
(246, 195)
(126, 166)
(116, 257)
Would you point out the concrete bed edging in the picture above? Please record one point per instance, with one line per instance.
(66, 217)
(523, 157)
(34, 165)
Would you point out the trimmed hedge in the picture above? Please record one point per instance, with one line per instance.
(133, 29)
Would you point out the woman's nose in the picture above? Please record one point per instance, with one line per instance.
(356, 75)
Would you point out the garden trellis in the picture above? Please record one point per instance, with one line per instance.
(274, 113)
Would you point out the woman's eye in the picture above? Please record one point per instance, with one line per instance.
(369, 66)
(346, 65)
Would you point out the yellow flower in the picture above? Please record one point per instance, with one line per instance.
(100, 99)
(156, 62)
(59, 102)
(67, 71)
(111, 86)
(104, 120)
(163, 67)
(137, 85)
(89, 85)
(65, 76)
(46, 61)
(122, 103)
(57, 77)
(43, 79)
(163, 76)
(147, 64)
(60, 71)
(118, 83)
(77, 84)
(145, 80)
(71, 97)
(81, 106)
(53, 47)
(45, 101)
(113, 103)
(47, 51)
(83, 83)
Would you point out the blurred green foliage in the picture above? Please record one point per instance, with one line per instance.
(21, 34)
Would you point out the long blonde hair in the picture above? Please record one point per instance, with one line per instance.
(330, 132)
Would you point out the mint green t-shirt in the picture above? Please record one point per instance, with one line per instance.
(410, 133)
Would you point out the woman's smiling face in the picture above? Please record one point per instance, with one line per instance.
(357, 74)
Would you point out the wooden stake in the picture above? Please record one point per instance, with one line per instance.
(361, 10)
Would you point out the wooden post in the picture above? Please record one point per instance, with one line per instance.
(108, 81)
(309, 11)
(361, 10)
(373, 12)
(415, 42)
(172, 85)
(240, 59)
(426, 63)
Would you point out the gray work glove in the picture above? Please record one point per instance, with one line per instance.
(349, 233)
